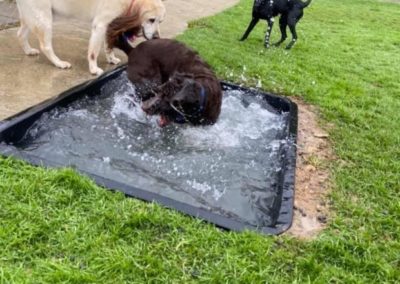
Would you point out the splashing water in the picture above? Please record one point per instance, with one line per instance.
(230, 168)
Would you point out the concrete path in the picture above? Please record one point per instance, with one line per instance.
(26, 81)
(8, 15)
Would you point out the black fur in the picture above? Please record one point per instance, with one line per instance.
(291, 12)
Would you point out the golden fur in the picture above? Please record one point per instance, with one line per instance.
(36, 16)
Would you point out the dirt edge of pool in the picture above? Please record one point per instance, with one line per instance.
(313, 176)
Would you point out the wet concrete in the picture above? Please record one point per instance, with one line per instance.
(26, 81)
(8, 14)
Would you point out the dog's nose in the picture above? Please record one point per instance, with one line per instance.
(156, 36)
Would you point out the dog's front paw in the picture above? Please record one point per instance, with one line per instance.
(63, 65)
(113, 60)
(96, 71)
(290, 45)
(32, 52)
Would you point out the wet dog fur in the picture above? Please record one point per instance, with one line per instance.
(173, 80)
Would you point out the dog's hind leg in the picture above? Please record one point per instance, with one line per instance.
(282, 26)
(269, 29)
(293, 18)
(251, 26)
(38, 18)
(23, 37)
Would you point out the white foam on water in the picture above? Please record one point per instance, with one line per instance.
(125, 104)
(204, 188)
(235, 123)
(125, 100)
(82, 113)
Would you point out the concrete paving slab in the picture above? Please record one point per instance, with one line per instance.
(8, 15)
(8, 9)
(26, 81)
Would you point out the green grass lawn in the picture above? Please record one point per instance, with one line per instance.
(56, 226)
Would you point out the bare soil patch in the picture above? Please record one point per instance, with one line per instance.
(312, 174)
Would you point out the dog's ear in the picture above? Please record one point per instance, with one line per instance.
(178, 78)
(188, 94)
(120, 25)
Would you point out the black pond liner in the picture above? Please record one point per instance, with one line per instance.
(13, 129)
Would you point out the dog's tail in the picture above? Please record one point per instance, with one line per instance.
(122, 28)
(305, 4)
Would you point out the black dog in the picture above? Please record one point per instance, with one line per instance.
(291, 12)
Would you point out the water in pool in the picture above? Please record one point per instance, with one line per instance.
(230, 168)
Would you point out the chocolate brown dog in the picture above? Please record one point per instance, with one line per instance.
(180, 86)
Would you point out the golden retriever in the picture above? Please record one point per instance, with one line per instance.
(37, 15)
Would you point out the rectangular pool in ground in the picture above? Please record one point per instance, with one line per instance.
(237, 174)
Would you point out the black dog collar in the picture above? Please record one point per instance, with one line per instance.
(182, 118)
